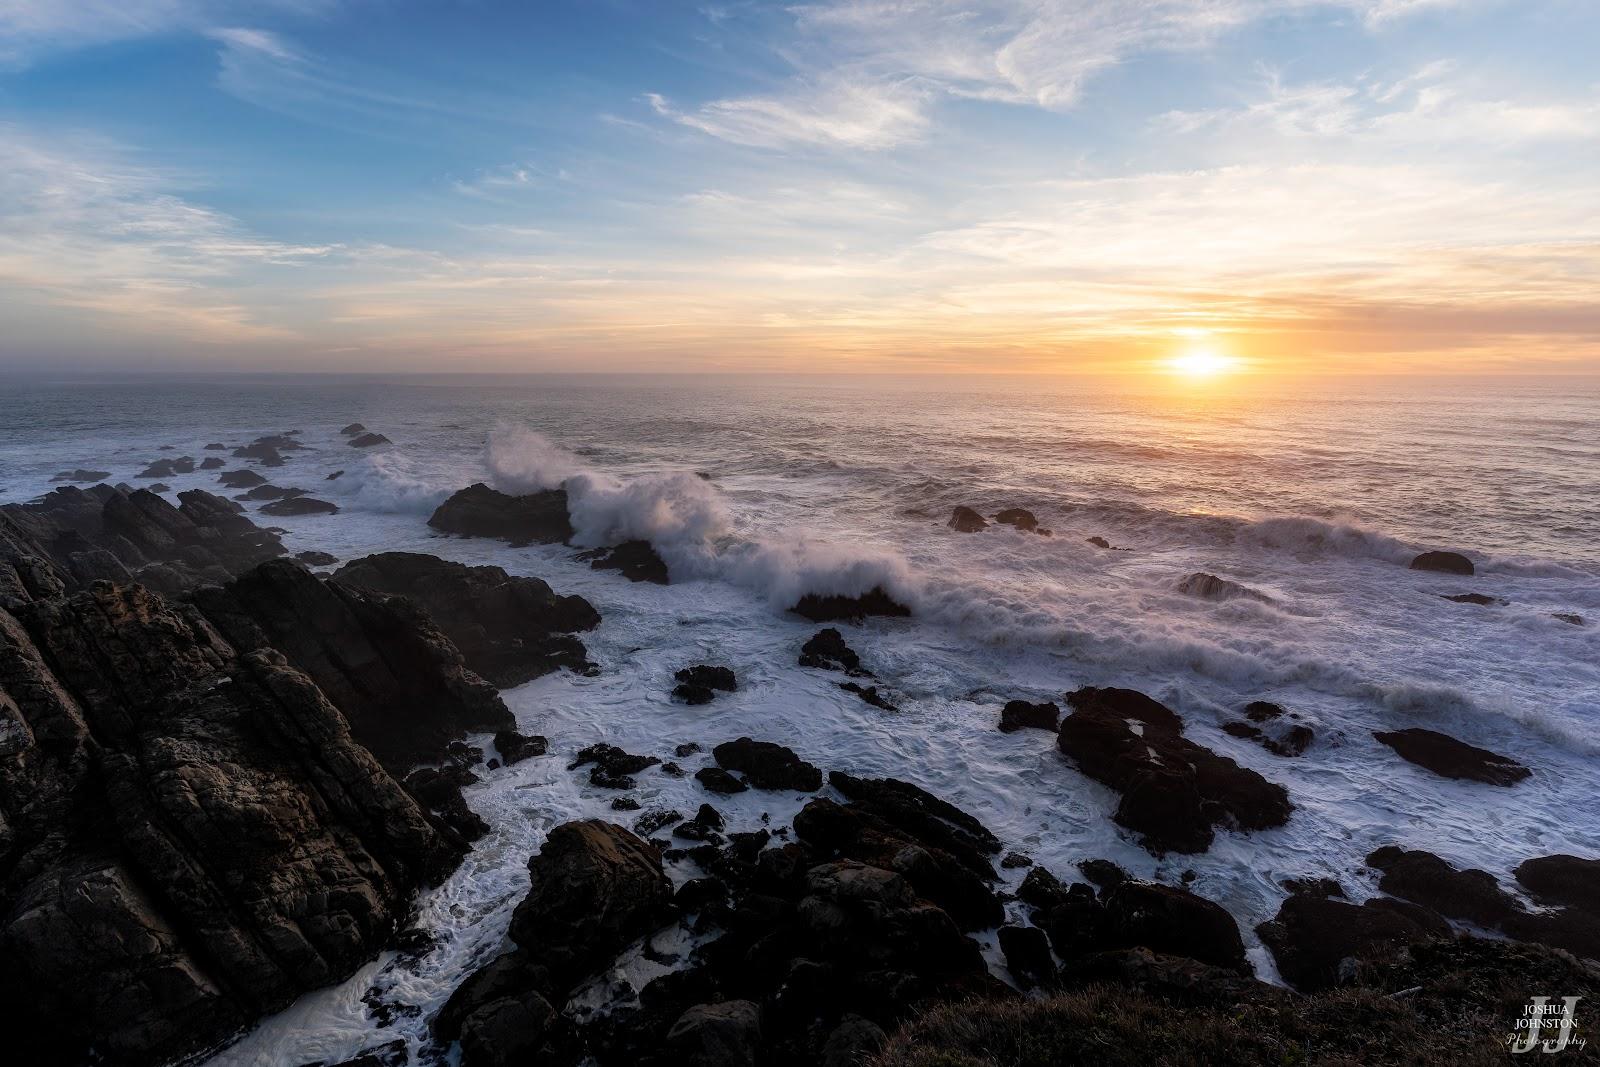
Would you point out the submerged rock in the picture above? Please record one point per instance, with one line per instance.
(353, 429)
(81, 475)
(1449, 758)
(1443, 562)
(479, 511)
(1173, 790)
(368, 440)
(509, 629)
(699, 684)
(1482, 600)
(876, 601)
(869, 694)
(1210, 587)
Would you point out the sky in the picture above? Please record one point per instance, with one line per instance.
(833, 185)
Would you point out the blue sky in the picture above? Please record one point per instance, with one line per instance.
(842, 184)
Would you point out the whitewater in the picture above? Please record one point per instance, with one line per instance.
(758, 490)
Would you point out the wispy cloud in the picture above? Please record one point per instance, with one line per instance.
(842, 112)
(32, 27)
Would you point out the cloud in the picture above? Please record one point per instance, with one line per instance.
(32, 27)
(840, 112)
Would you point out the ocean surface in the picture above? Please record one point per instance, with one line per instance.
(757, 490)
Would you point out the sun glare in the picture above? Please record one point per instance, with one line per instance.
(1201, 363)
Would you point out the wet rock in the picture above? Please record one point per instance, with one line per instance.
(168, 468)
(1173, 791)
(1015, 860)
(1021, 715)
(1103, 873)
(654, 821)
(1319, 943)
(399, 681)
(876, 601)
(193, 827)
(515, 747)
(1027, 954)
(299, 505)
(1482, 600)
(439, 790)
(264, 451)
(389, 1054)
(353, 429)
(160, 487)
(965, 520)
(1423, 878)
(768, 766)
(699, 684)
(624, 804)
(637, 560)
(719, 781)
(507, 1032)
(1098, 541)
(869, 694)
(509, 629)
(316, 559)
(688, 748)
(1449, 758)
(335, 476)
(727, 1034)
(1021, 518)
(212, 463)
(1290, 741)
(826, 650)
(241, 479)
(368, 440)
(595, 888)
(1443, 562)
(1315, 887)
(1209, 587)
(613, 768)
(1568, 617)
(216, 446)
(479, 511)
(1173, 921)
(272, 492)
(1562, 879)
(81, 475)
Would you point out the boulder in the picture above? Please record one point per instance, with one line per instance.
(353, 429)
(612, 767)
(826, 650)
(271, 492)
(1425, 879)
(719, 781)
(212, 463)
(509, 629)
(479, 511)
(299, 505)
(1021, 715)
(81, 475)
(637, 560)
(1564, 880)
(368, 440)
(768, 766)
(727, 1034)
(1482, 600)
(1174, 922)
(595, 889)
(699, 684)
(1021, 518)
(1319, 942)
(1443, 562)
(1027, 954)
(241, 479)
(870, 695)
(314, 558)
(507, 1032)
(965, 520)
(876, 601)
(1173, 791)
(1209, 587)
(515, 747)
(1449, 758)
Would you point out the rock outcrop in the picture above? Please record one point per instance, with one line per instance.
(876, 601)
(508, 629)
(1449, 758)
(189, 835)
(479, 511)
(965, 520)
(1173, 791)
(701, 683)
(1444, 563)
(637, 560)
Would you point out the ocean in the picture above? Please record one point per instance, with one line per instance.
(756, 490)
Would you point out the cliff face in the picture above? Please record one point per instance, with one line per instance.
(189, 834)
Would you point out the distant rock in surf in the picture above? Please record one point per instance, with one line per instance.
(1022, 519)
(81, 475)
(1279, 739)
(1173, 790)
(300, 505)
(1098, 541)
(368, 440)
(1443, 562)
(509, 629)
(168, 468)
(826, 650)
(240, 479)
(353, 429)
(212, 463)
(766, 765)
(515, 747)
(699, 684)
(1568, 617)
(272, 492)
(870, 695)
(479, 511)
(1449, 758)
(1482, 600)
(313, 558)
(1021, 715)
(1210, 587)
(965, 520)
(876, 601)
(216, 446)
(613, 768)
(637, 560)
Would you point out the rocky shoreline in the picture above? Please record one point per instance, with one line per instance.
(225, 778)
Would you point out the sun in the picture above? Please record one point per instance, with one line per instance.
(1200, 362)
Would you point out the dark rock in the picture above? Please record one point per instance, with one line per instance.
(515, 747)
(826, 650)
(216, 446)
(698, 685)
(1315, 887)
(241, 479)
(81, 475)
(299, 505)
(1014, 860)
(1482, 600)
(478, 511)
(652, 821)
(854, 1042)
(335, 476)
(688, 748)
(1568, 617)
(192, 827)
(212, 463)
(869, 694)
(1210, 587)
(368, 440)
(1318, 943)
(1175, 922)
(727, 1034)
(1021, 518)
(439, 790)
(1263, 711)
(1568, 880)
(1173, 790)
(1103, 873)
(389, 1054)
(596, 888)
(272, 492)
(613, 768)
(876, 601)
(1027, 953)
(353, 429)
(160, 487)
(964, 520)
(719, 781)
(509, 629)
(1443, 562)
(507, 1032)
(637, 561)
(398, 680)
(1098, 541)
(624, 804)
(1423, 878)
(262, 451)
(316, 559)
(768, 766)
(168, 468)
(1021, 715)
(1449, 758)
